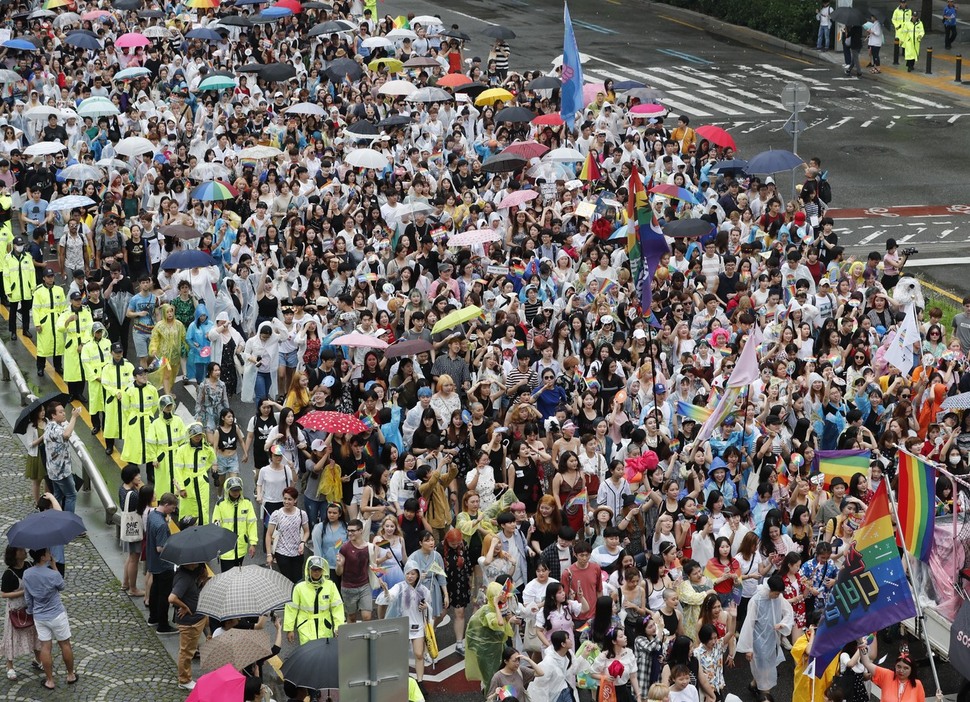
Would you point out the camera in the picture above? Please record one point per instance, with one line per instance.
(911, 251)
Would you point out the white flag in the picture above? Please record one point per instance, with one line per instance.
(900, 351)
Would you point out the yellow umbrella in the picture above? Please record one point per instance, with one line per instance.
(493, 95)
(202, 4)
(392, 65)
(465, 314)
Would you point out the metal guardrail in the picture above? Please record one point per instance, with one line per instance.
(92, 476)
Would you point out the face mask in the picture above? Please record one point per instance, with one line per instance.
(18, 249)
(955, 460)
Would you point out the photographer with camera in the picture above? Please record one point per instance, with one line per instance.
(893, 263)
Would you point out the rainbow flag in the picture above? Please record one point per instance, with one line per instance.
(506, 692)
(917, 490)
(639, 499)
(378, 570)
(584, 627)
(871, 591)
(590, 170)
(842, 464)
(609, 288)
(338, 543)
(517, 269)
(689, 411)
(578, 500)
(782, 470)
(509, 587)
(592, 382)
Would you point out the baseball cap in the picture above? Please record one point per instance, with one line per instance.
(76, 295)
(141, 370)
(117, 348)
(639, 334)
(48, 272)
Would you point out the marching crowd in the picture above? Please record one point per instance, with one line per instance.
(502, 436)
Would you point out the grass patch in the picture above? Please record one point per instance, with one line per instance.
(951, 308)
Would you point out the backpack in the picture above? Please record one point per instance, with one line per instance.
(825, 191)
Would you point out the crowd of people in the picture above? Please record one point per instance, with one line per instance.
(219, 194)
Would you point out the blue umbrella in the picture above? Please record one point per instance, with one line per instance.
(192, 258)
(276, 12)
(733, 165)
(774, 162)
(203, 33)
(43, 529)
(82, 41)
(628, 85)
(19, 45)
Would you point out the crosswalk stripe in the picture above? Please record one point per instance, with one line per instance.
(752, 96)
(716, 106)
(684, 77)
(737, 102)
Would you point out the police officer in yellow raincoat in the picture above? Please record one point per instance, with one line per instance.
(237, 514)
(194, 463)
(49, 305)
(115, 377)
(316, 610)
(19, 281)
(165, 434)
(76, 324)
(94, 354)
(139, 403)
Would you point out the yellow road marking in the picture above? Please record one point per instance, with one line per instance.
(795, 58)
(944, 84)
(941, 291)
(686, 24)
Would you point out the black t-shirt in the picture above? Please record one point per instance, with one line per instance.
(410, 528)
(10, 581)
(186, 588)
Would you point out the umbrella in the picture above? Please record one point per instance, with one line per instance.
(411, 347)
(305, 108)
(545, 83)
(132, 39)
(453, 80)
(644, 95)
(628, 85)
(513, 114)
(260, 152)
(503, 163)
(377, 43)
(65, 19)
(849, 16)
(716, 135)
(18, 45)
(134, 146)
(497, 31)
(157, 32)
(151, 14)
(198, 544)
(132, 73)
(426, 20)
(676, 193)
(204, 33)
(688, 228)
(551, 120)
(333, 422)
(516, 198)
(397, 87)
(236, 647)
(20, 426)
(8, 76)
(362, 128)
(430, 94)
(277, 72)
(313, 665)
(732, 165)
(345, 68)
(356, 339)
(191, 258)
(235, 21)
(43, 148)
(51, 527)
(96, 15)
(367, 158)
(291, 5)
(650, 109)
(97, 108)
(126, 5)
(202, 4)
(421, 62)
(473, 237)
(394, 121)
(410, 209)
(392, 65)
(583, 58)
(526, 149)
(214, 190)
(70, 202)
(248, 591)
(401, 33)
(453, 319)
(773, 161)
(455, 34)
(332, 27)
(81, 171)
(493, 95)
(226, 683)
(209, 170)
(82, 41)
(564, 154)
(180, 231)
(961, 402)
(218, 82)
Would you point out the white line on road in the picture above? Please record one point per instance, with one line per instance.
(840, 123)
(875, 235)
(933, 262)
(946, 232)
(716, 106)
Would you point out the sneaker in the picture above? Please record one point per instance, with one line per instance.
(166, 632)
(427, 660)
(11, 674)
(445, 620)
(190, 685)
(460, 648)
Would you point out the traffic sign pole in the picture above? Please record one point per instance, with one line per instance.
(795, 96)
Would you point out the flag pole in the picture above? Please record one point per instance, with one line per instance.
(920, 619)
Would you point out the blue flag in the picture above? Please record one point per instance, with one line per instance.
(571, 76)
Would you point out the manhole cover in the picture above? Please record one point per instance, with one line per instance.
(938, 122)
(871, 149)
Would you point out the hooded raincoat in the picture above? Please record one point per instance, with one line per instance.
(316, 611)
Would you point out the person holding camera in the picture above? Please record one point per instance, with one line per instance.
(893, 263)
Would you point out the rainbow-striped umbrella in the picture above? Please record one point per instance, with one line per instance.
(51, 4)
(213, 190)
(202, 4)
(675, 193)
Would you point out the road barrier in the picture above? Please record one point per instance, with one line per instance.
(929, 61)
(959, 69)
(896, 52)
(91, 475)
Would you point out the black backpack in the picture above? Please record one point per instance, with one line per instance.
(825, 192)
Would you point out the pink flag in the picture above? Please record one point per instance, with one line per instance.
(746, 370)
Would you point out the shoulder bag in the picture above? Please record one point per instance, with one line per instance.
(132, 528)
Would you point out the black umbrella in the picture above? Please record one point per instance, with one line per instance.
(250, 68)
(126, 4)
(198, 544)
(314, 5)
(849, 16)
(394, 121)
(363, 128)
(20, 426)
(277, 72)
(503, 163)
(545, 83)
(313, 665)
(151, 14)
(344, 67)
(51, 527)
(407, 348)
(83, 31)
(514, 114)
(235, 21)
(265, 19)
(472, 89)
(688, 228)
(498, 32)
(455, 34)
(331, 27)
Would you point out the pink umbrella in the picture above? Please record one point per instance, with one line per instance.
(474, 236)
(590, 90)
(516, 198)
(95, 15)
(132, 40)
(362, 340)
(224, 684)
(526, 149)
(650, 108)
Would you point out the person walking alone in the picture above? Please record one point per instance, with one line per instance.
(875, 41)
(949, 24)
(824, 17)
(42, 591)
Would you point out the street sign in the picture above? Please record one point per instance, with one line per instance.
(794, 126)
(796, 96)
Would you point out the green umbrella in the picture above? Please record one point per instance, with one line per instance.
(217, 83)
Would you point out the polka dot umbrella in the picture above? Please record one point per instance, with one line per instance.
(333, 422)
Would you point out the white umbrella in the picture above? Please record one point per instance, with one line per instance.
(134, 146)
(377, 43)
(306, 108)
(42, 148)
(81, 171)
(112, 163)
(367, 158)
(41, 112)
(70, 202)
(430, 94)
(427, 21)
(475, 236)
(67, 113)
(209, 171)
(583, 58)
(92, 107)
(156, 32)
(564, 154)
(8, 76)
(259, 152)
(40, 14)
(397, 87)
(65, 19)
(413, 208)
(401, 34)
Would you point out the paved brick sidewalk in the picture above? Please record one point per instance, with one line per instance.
(117, 655)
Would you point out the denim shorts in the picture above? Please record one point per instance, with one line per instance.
(141, 343)
(288, 359)
(227, 464)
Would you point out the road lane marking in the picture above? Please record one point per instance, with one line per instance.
(678, 21)
(686, 57)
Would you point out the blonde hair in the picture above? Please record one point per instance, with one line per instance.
(443, 379)
(658, 692)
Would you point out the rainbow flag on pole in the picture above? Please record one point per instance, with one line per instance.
(590, 171)
(782, 470)
(914, 504)
(689, 411)
(843, 464)
(579, 500)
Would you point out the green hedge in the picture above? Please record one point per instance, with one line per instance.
(791, 20)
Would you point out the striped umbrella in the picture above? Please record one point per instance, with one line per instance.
(213, 190)
(675, 193)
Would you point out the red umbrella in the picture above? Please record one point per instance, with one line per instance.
(292, 5)
(526, 149)
(716, 135)
(334, 422)
(550, 120)
(453, 80)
